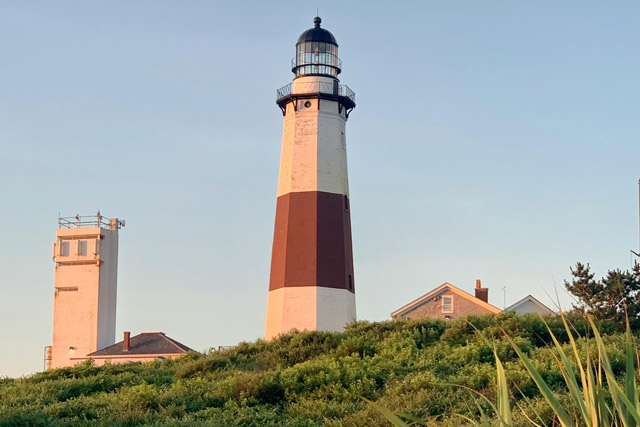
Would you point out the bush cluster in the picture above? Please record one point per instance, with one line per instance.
(420, 367)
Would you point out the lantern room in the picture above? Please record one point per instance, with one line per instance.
(316, 53)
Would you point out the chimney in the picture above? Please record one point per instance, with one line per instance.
(482, 293)
(125, 343)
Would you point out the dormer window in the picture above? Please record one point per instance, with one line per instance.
(447, 304)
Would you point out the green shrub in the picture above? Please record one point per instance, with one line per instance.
(312, 378)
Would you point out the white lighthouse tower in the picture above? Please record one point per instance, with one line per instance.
(311, 285)
(84, 309)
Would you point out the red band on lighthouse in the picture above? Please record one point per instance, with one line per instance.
(312, 242)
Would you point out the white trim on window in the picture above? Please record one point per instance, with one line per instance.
(447, 304)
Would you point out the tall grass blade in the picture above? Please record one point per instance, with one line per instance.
(630, 374)
(504, 409)
(620, 399)
(563, 417)
(531, 408)
(524, 414)
(595, 401)
(475, 395)
(389, 415)
(569, 375)
(483, 416)
(464, 417)
(606, 413)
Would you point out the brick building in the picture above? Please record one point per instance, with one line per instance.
(448, 302)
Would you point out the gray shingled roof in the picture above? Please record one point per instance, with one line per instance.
(144, 343)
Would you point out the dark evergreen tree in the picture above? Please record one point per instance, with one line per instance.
(609, 298)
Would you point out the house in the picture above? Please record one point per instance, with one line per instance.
(448, 302)
(530, 304)
(144, 347)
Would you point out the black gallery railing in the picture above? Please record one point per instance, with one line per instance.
(316, 87)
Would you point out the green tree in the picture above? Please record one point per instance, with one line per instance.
(609, 298)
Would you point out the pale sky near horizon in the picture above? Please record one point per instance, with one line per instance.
(492, 140)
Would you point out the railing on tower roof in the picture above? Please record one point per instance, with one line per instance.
(96, 220)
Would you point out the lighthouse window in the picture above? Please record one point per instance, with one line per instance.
(316, 58)
(307, 104)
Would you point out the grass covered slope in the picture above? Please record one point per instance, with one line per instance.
(310, 378)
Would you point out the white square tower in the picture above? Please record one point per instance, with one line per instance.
(84, 308)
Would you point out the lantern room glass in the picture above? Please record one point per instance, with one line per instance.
(317, 58)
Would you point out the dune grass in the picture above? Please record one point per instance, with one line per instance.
(424, 372)
(595, 395)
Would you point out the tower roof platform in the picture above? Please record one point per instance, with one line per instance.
(87, 221)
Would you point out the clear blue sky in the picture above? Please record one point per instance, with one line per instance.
(492, 140)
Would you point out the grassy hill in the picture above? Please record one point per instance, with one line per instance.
(311, 379)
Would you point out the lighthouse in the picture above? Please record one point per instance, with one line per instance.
(311, 285)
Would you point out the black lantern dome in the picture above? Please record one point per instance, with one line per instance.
(317, 34)
(316, 53)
